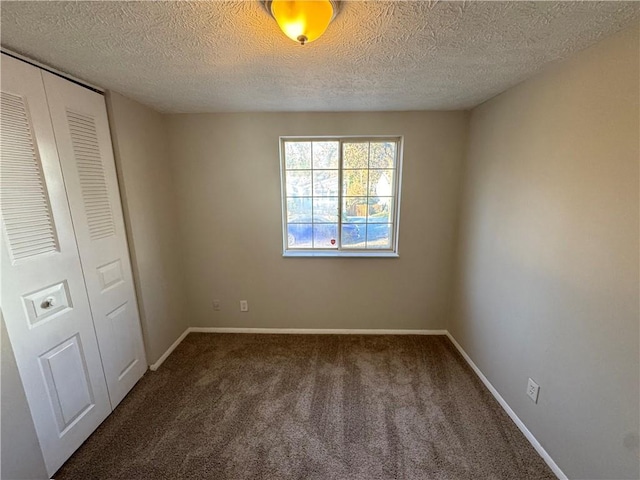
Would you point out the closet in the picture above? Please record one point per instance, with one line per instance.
(67, 294)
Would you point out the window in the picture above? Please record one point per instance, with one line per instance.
(340, 196)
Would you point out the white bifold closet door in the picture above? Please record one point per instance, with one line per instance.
(81, 128)
(44, 300)
(66, 294)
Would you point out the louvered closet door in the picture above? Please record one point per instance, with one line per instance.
(43, 297)
(84, 144)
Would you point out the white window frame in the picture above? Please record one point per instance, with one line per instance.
(346, 252)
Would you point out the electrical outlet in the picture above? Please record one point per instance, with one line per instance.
(532, 390)
(244, 306)
(216, 305)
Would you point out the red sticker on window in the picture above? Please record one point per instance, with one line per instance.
(333, 241)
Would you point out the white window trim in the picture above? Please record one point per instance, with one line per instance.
(351, 252)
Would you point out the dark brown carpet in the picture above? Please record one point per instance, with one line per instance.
(233, 406)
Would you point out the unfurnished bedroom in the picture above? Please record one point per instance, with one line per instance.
(320, 239)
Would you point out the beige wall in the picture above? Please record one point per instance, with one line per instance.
(227, 174)
(548, 272)
(141, 151)
(19, 446)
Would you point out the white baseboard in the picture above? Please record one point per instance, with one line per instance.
(316, 331)
(173, 346)
(529, 436)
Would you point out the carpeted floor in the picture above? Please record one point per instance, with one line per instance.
(237, 406)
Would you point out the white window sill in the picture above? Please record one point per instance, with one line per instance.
(338, 254)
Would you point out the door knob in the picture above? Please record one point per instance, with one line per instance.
(48, 302)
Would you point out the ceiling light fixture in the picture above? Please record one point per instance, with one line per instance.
(303, 21)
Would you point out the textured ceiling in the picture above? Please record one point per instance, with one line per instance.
(230, 56)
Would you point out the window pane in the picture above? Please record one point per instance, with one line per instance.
(325, 235)
(379, 235)
(325, 210)
(382, 155)
(340, 194)
(354, 235)
(354, 209)
(299, 184)
(381, 183)
(325, 155)
(355, 155)
(297, 155)
(325, 183)
(299, 210)
(380, 210)
(354, 183)
(299, 236)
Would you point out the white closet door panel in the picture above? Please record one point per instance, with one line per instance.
(84, 144)
(43, 296)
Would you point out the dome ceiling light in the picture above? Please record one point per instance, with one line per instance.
(303, 21)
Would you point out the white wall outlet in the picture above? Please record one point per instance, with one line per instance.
(216, 305)
(532, 390)
(244, 306)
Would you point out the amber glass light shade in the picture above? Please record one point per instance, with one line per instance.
(303, 21)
